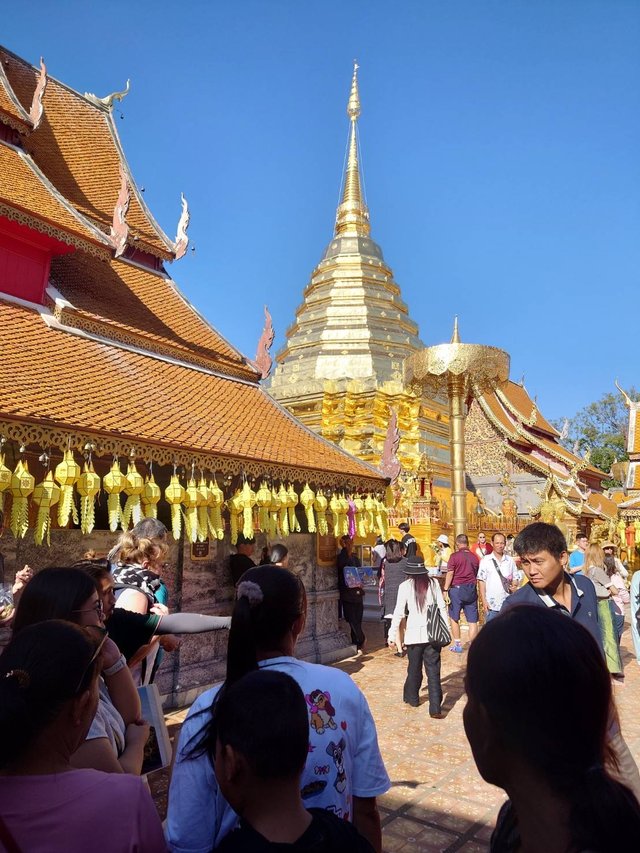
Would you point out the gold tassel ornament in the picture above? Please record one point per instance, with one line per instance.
(274, 515)
(88, 486)
(369, 510)
(307, 498)
(343, 505)
(234, 505)
(191, 499)
(292, 503)
(283, 514)
(67, 473)
(22, 484)
(174, 495)
(134, 486)
(113, 484)
(203, 508)
(216, 525)
(5, 481)
(263, 502)
(45, 496)
(360, 520)
(248, 502)
(150, 497)
(381, 519)
(320, 505)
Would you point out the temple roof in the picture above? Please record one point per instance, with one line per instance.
(11, 110)
(34, 201)
(78, 148)
(353, 323)
(76, 382)
(512, 411)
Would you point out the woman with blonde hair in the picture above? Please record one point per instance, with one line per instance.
(596, 572)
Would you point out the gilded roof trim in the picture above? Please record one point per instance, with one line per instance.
(24, 218)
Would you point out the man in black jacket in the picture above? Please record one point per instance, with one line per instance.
(351, 598)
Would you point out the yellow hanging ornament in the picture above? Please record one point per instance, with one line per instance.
(369, 509)
(320, 505)
(292, 502)
(5, 481)
(134, 487)
(334, 506)
(389, 497)
(360, 521)
(88, 487)
(283, 514)
(45, 495)
(215, 510)
(234, 505)
(263, 501)
(22, 484)
(307, 498)
(381, 519)
(174, 494)
(343, 504)
(248, 502)
(67, 473)
(150, 497)
(203, 509)
(191, 498)
(274, 514)
(113, 484)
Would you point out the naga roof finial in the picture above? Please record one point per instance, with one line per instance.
(182, 240)
(119, 228)
(107, 103)
(35, 113)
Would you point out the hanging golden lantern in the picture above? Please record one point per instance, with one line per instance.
(174, 494)
(191, 500)
(389, 497)
(150, 497)
(283, 515)
(343, 510)
(203, 508)
(216, 525)
(134, 487)
(360, 520)
(369, 510)
(307, 498)
(263, 501)
(5, 481)
(67, 473)
(292, 502)
(113, 484)
(234, 505)
(274, 514)
(45, 495)
(22, 484)
(334, 506)
(320, 505)
(88, 486)
(248, 502)
(381, 519)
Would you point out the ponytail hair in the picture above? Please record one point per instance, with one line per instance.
(43, 667)
(532, 668)
(269, 600)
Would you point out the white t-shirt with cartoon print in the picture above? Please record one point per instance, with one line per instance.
(344, 758)
(488, 572)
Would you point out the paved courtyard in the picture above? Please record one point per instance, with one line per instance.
(437, 800)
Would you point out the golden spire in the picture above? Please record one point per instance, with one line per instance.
(455, 337)
(352, 216)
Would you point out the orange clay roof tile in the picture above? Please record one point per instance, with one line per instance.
(23, 188)
(124, 297)
(517, 395)
(77, 147)
(78, 383)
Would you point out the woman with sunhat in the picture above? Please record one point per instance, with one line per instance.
(426, 633)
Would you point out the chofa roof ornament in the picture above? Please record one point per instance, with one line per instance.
(119, 228)
(107, 103)
(263, 361)
(36, 111)
(182, 240)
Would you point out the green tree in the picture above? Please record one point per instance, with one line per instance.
(600, 427)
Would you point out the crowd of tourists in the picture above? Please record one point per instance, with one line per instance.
(283, 754)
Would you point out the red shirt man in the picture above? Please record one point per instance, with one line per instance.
(482, 547)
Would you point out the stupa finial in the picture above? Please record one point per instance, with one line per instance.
(455, 337)
(352, 216)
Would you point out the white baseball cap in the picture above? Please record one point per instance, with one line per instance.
(443, 538)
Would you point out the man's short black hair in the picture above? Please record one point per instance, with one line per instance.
(263, 716)
(245, 540)
(581, 535)
(538, 537)
(404, 526)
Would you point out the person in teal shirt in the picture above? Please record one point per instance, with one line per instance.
(576, 560)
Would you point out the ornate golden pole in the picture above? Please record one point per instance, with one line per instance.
(460, 370)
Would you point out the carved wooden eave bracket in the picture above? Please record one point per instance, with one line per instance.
(107, 102)
(182, 240)
(263, 361)
(37, 109)
(390, 464)
(119, 228)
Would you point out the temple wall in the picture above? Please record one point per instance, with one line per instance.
(201, 586)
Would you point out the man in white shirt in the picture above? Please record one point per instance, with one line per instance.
(498, 577)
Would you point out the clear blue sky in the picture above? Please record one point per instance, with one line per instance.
(500, 142)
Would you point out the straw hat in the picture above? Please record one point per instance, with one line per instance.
(608, 545)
